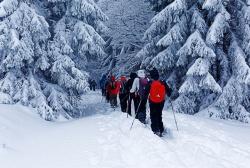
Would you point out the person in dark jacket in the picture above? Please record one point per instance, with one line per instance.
(102, 84)
(106, 89)
(132, 96)
(94, 84)
(123, 94)
(157, 90)
(139, 89)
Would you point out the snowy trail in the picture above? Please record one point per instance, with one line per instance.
(102, 139)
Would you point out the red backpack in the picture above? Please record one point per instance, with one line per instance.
(157, 92)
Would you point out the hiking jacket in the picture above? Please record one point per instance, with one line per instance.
(114, 91)
(136, 85)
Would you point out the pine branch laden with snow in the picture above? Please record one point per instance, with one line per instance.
(165, 59)
(171, 14)
(208, 83)
(198, 23)
(218, 28)
(190, 86)
(230, 102)
(176, 34)
(7, 7)
(199, 68)
(195, 46)
(240, 69)
(184, 104)
(80, 24)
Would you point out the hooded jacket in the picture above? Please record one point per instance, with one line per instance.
(136, 84)
(114, 91)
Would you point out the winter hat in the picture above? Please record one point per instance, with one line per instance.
(123, 78)
(133, 75)
(154, 74)
(141, 73)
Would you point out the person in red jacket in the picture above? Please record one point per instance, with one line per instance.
(113, 89)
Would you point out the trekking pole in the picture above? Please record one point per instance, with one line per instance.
(174, 115)
(128, 104)
(135, 115)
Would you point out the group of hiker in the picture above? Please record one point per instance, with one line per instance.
(139, 89)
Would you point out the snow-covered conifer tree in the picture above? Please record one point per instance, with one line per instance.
(80, 23)
(76, 41)
(193, 46)
(23, 53)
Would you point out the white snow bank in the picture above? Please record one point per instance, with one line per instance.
(104, 140)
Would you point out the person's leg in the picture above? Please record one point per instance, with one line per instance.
(142, 111)
(161, 126)
(153, 117)
(94, 88)
(123, 102)
(115, 100)
(129, 104)
(103, 92)
(111, 100)
(108, 97)
(136, 104)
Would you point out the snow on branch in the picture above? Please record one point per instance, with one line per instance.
(189, 86)
(195, 46)
(240, 68)
(176, 34)
(171, 14)
(199, 68)
(208, 83)
(218, 28)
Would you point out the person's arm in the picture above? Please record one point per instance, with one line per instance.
(168, 89)
(135, 86)
(147, 89)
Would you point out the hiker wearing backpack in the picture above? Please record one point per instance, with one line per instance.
(123, 94)
(157, 90)
(113, 89)
(102, 84)
(131, 96)
(139, 89)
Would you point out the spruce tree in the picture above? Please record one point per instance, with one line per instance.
(201, 49)
(24, 34)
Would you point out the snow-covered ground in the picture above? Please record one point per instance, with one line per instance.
(102, 139)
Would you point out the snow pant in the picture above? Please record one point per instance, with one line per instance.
(103, 92)
(136, 100)
(107, 97)
(123, 101)
(156, 116)
(113, 100)
(142, 110)
(93, 88)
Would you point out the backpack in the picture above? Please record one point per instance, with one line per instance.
(157, 92)
(123, 88)
(113, 85)
(143, 82)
